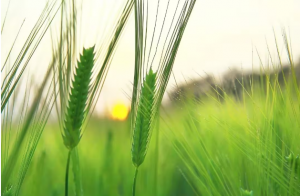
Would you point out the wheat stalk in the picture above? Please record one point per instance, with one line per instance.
(77, 98)
(141, 133)
(147, 94)
(77, 104)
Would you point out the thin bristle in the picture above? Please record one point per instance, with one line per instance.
(141, 134)
(78, 99)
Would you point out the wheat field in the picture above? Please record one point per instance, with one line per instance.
(235, 137)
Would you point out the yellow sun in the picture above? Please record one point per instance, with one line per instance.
(119, 111)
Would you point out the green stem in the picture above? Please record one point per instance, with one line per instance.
(156, 156)
(67, 174)
(134, 181)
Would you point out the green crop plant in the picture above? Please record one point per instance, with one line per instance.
(31, 111)
(149, 89)
(22, 129)
(76, 109)
(11, 75)
(78, 87)
(143, 123)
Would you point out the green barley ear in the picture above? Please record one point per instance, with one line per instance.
(78, 99)
(141, 133)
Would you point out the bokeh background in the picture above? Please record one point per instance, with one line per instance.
(221, 35)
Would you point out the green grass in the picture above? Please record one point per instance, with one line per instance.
(228, 146)
(206, 148)
(209, 149)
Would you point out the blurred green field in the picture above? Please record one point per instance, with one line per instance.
(210, 147)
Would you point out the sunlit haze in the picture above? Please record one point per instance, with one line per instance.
(219, 36)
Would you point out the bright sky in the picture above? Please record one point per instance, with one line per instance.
(220, 35)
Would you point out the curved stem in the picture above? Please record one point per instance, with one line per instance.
(67, 174)
(134, 181)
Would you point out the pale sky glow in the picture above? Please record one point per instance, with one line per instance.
(220, 35)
